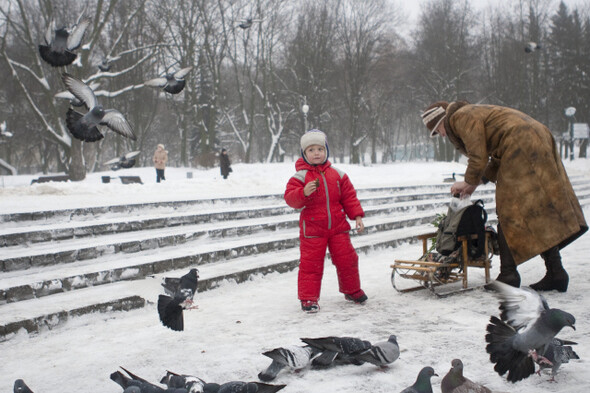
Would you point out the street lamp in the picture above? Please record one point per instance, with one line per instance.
(569, 113)
(305, 109)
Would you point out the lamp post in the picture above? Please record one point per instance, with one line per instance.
(305, 109)
(569, 113)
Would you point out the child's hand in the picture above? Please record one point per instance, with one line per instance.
(311, 187)
(360, 227)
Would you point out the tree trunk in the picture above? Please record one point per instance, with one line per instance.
(77, 170)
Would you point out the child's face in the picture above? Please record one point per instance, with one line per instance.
(315, 154)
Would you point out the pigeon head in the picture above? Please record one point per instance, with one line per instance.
(559, 319)
(457, 365)
(98, 111)
(392, 339)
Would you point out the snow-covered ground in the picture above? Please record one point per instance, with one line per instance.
(224, 338)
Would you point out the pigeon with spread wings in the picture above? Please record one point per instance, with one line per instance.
(60, 43)
(172, 83)
(85, 126)
(181, 291)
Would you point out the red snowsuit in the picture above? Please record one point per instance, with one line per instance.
(323, 224)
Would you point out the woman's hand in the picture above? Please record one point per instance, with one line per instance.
(462, 188)
(360, 226)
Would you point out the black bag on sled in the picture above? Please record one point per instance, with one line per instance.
(459, 221)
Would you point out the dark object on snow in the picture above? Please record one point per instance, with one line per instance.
(85, 127)
(422, 384)
(241, 387)
(295, 357)
(46, 179)
(182, 291)
(532, 46)
(131, 383)
(382, 353)
(525, 328)
(21, 387)
(557, 352)
(59, 43)
(172, 83)
(343, 349)
(469, 220)
(182, 381)
(455, 382)
(126, 161)
(224, 164)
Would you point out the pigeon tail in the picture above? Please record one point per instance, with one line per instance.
(56, 59)
(78, 130)
(500, 335)
(271, 372)
(170, 313)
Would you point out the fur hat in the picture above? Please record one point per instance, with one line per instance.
(314, 137)
(433, 115)
(161, 146)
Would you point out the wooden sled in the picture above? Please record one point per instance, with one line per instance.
(432, 275)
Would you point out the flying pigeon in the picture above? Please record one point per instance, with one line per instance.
(557, 352)
(21, 387)
(247, 23)
(455, 382)
(182, 291)
(73, 100)
(294, 356)
(532, 46)
(85, 127)
(382, 353)
(180, 381)
(524, 330)
(59, 43)
(105, 65)
(333, 348)
(241, 387)
(422, 384)
(126, 161)
(131, 382)
(172, 83)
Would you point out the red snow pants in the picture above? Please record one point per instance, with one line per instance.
(311, 266)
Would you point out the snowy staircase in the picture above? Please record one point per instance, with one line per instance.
(63, 263)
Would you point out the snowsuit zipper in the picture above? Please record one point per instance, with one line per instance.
(327, 200)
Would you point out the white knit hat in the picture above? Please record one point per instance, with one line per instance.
(314, 137)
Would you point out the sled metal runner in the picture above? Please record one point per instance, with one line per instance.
(433, 275)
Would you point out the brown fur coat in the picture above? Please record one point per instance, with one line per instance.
(535, 201)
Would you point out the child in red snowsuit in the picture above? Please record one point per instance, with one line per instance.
(326, 196)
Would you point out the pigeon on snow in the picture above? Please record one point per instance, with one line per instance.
(85, 127)
(422, 384)
(21, 387)
(557, 352)
(182, 291)
(126, 161)
(294, 356)
(455, 382)
(172, 83)
(180, 381)
(131, 383)
(524, 330)
(241, 387)
(59, 43)
(344, 349)
(382, 353)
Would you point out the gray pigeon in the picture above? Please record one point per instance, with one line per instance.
(131, 382)
(295, 357)
(557, 352)
(525, 328)
(422, 384)
(343, 349)
(85, 127)
(59, 43)
(455, 382)
(172, 83)
(241, 387)
(21, 387)
(176, 381)
(382, 353)
(182, 291)
(126, 161)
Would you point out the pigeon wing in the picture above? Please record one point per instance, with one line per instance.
(132, 154)
(271, 371)
(170, 313)
(520, 306)
(182, 72)
(80, 90)
(49, 32)
(157, 82)
(75, 37)
(111, 162)
(117, 122)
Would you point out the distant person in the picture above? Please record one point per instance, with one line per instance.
(326, 196)
(224, 164)
(160, 159)
(538, 211)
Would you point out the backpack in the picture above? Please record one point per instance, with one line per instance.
(467, 220)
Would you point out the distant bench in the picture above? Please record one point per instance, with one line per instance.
(45, 179)
(124, 179)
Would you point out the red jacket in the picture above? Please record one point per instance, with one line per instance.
(325, 210)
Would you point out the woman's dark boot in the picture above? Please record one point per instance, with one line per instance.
(508, 273)
(556, 276)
